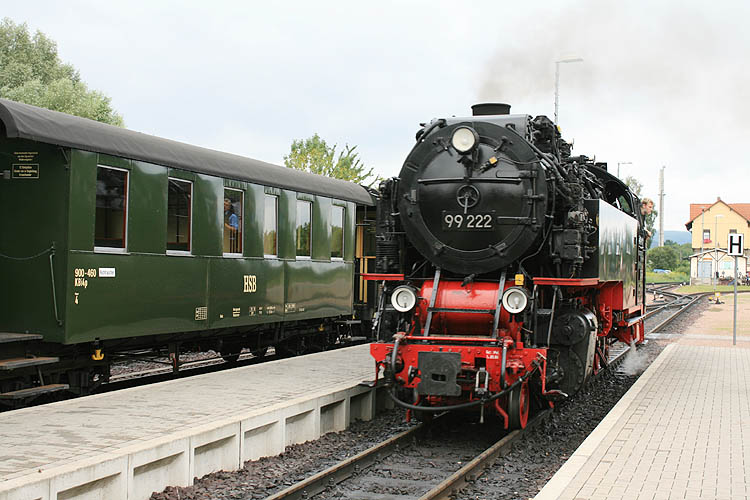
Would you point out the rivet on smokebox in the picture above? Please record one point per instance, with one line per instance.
(519, 279)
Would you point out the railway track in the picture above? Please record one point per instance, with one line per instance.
(405, 476)
(661, 315)
(411, 447)
(165, 370)
(186, 366)
(673, 310)
(211, 364)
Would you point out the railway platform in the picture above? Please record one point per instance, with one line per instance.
(682, 431)
(127, 444)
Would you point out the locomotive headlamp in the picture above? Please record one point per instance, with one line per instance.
(515, 300)
(403, 298)
(464, 139)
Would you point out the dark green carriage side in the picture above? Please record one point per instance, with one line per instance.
(145, 290)
(33, 238)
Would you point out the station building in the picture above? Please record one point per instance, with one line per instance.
(710, 225)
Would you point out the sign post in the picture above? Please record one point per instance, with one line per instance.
(735, 248)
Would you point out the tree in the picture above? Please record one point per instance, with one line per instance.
(634, 185)
(315, 156)
(31, 72)
(662, 258)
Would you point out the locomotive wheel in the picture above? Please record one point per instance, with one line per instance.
(421, 416)
(259, 353)
(230, 351)
(518, 407)
(230, 357)
(573, 372)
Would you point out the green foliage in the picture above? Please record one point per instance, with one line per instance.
(662, 258)
(650, 219)
(31, 72)
(634, 185)
(315, 156)
(675, 277)
(711, 288)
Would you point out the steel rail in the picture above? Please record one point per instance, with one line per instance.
(677, 313)
(186, 367)
(342, 470)
(471, 471)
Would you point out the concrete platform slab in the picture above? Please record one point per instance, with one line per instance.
(127, 444)
(682, 431)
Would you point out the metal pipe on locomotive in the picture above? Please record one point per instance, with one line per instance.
(507, 267)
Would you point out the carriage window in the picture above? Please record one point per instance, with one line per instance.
(304, 228)
(179, 208)
(111, 208)
(337, 232)
(269, 227)
(233, 221)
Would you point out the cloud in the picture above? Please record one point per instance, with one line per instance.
(662, 83)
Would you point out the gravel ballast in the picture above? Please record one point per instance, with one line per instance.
(519, 475)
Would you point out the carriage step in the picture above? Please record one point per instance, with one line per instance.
(33, 391)
(18, 337)
(13, 363)
(348, 322)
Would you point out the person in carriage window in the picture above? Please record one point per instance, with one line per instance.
(231, 224)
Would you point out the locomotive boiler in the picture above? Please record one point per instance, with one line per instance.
(507, 267)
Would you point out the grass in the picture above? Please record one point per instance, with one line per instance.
(724, 289)
(663, 278)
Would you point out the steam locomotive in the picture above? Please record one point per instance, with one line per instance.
(507, 267)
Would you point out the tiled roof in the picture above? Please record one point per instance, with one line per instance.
(696, 208)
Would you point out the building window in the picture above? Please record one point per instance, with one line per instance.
(233, 199)
(304, 228)
(179, 211)
(706, 236)
(270, 248)
(111, 208)
(732, 231)
(337, 232)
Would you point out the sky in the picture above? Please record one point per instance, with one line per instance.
(662, 83)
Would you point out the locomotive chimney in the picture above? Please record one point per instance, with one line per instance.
(490, 108)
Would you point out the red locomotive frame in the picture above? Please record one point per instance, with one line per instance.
(499, 361)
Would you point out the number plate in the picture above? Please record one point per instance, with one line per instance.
(459, 221)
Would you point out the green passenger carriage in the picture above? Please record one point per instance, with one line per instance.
(114, 240)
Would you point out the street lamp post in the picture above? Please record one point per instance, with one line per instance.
(621, 163)
(557, 80)
(716, 247)
(703, 240)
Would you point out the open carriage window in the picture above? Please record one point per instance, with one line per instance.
(233, 221)
(111, 208)
(269, 227)
(179, 208)
(304, 229)
(337, 232)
